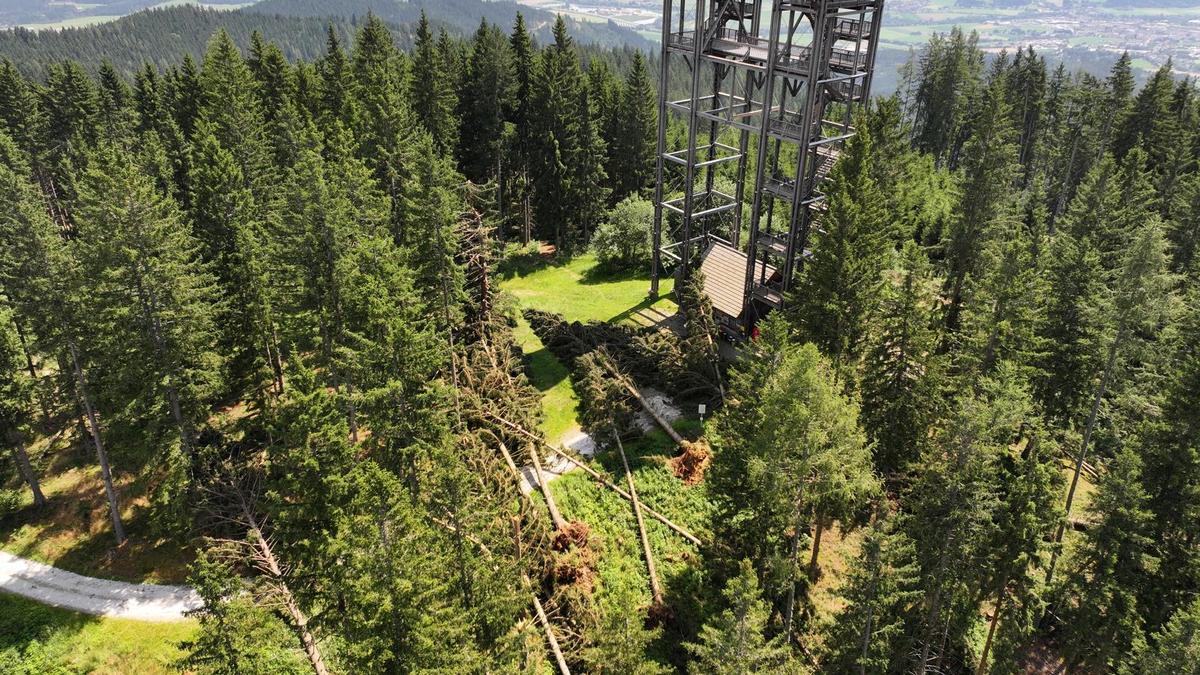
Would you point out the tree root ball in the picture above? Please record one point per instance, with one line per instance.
(690, 465)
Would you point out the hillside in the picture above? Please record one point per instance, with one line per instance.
(461, 16)
(163, 37)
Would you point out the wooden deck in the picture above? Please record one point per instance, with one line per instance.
(724, 270)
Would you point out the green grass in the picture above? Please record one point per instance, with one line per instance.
(579, 291)
(38, 639)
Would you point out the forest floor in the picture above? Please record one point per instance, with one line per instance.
(74, 531)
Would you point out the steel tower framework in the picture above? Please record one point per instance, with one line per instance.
(773, 82)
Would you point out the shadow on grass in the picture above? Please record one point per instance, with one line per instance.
(74, 532)
(25, 627)
(544, 369)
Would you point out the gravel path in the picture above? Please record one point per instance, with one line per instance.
(585, 445)
(101, 597)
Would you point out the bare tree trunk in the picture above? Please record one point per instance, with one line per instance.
(555, 514)
(101, 455)
(655, 587)
(22, 460)
(814, 566)
(271, 565)
(33, 376)
(987, 645)
(791, 601)
(868, 626)
(1083, 448)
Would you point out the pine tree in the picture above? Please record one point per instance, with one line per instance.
(844, 280)
(384, 125)
(20, 111)
(1000, 312)
(901, 373)
(589, 180)
(1098, 597)
(734, 641)
(869, 634)
(336, 103)
(235, 634)
(432, 90)
(633, 145)
(394, 571)
(152, 296)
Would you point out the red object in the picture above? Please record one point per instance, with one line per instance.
(754, 333)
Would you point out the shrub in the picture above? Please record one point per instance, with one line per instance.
(622, 242)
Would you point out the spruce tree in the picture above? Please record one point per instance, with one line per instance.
(901, 372)
(1174, 649)
(843, 282)
(1068, 329)
(555, 130)
(869, 634)
(487, 97)
(1169, 445)
(42, 280)
(1184, 228)
(633, 143)
(1097, 600)
(952, 509)
(804, 462)
(733, 642)
(432, 90)
(16, 404)
(152, 296)
(1140, 293)
(989, 171)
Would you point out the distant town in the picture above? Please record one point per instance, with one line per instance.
(1085, 34)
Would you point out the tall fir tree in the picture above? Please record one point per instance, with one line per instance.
(432, 90)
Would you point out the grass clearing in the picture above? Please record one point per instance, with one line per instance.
(35, 638)
(580, 291)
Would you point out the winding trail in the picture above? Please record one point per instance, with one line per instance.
(100, 597)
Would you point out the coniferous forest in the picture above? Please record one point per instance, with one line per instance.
(279, 311)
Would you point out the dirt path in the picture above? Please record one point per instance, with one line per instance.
(101, 597)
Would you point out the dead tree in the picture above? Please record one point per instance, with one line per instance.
(655, 587)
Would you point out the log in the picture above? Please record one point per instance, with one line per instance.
(593, 473)
(666, 426)
(655, 587)
(545, 621)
